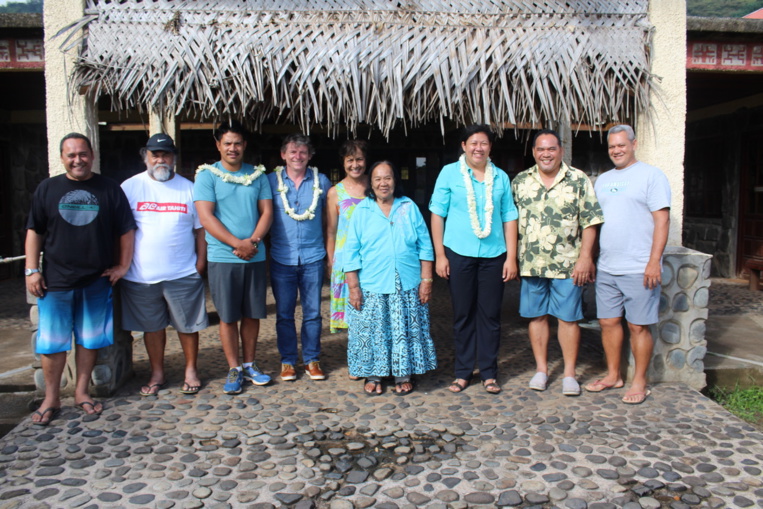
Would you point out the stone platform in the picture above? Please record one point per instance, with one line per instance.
(326, 444)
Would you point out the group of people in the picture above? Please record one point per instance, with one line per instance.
(160, 232)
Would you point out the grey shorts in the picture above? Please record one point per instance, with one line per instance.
(151, 307)
(238, 290)
(627, 292)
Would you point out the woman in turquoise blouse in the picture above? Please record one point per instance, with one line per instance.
(474, 230)
(388, 262)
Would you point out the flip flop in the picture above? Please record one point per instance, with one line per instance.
(640, 397)
(456, 387)
(151, 391)
(92, 405)
(372, 391)
(599, 386)
(402, 392)
(491, 386)
(54, 411)
(190, 389)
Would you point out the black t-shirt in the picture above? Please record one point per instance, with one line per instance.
(81, 221)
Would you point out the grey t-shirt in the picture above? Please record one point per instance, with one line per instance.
(628, 197)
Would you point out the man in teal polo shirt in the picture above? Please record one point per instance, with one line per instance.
(225, 194)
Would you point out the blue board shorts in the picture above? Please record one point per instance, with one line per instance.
(87, 312)
(541, 296)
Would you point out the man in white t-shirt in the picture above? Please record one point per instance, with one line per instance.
(164, 284)
(635, 199)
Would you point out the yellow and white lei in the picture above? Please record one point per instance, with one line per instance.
(226, 176)
(282, 189)
(471, 202)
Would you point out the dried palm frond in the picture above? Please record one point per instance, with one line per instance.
(342, 63)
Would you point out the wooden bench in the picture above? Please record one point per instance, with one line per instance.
(754, 267)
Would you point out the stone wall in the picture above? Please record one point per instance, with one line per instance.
(709, 235)
(679, 337)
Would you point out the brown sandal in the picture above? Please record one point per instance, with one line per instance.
(456, 386)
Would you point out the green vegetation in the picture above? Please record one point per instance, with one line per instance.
(746, 404)
(722, 8)
(21, 6)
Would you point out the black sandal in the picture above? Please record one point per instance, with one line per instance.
(456, 387)
(491, 386)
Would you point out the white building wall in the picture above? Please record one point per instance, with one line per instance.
(66, 112)
(661, 142)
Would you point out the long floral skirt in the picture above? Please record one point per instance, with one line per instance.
(390, 335)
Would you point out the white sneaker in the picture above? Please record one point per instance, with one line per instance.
(538, 382)
(570, 386)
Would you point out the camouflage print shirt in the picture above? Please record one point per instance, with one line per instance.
(551, 221)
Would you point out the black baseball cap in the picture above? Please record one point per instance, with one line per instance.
(161, 142)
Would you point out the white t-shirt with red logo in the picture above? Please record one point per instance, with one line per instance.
(165, 246)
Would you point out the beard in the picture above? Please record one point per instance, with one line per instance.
(160, 172)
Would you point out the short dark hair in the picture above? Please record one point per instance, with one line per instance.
(230, 126)
(471, 130)
(74, 136)
(544, 132)
(352, 147)
(298, 139)
(398, 191)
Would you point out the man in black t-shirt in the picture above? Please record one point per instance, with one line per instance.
(82, 223)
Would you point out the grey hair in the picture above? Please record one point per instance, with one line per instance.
(622, 128)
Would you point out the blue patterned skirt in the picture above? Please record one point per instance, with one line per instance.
(390, 335)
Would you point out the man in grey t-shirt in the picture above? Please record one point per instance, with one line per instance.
(635, 199)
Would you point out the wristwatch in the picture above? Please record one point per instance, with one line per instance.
(29, 272)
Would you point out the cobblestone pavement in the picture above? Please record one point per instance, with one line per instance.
(326, 444)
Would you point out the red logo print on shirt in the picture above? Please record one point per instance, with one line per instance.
(152, 206)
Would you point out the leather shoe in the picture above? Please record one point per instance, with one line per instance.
(314, 371)
(287, 373)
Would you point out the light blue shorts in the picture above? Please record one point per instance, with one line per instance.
(541, 296)
(627, 292)
(87, 312)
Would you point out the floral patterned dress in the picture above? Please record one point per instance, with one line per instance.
(339, 290)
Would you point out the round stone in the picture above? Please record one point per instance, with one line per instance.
(670, 332)
(701, 298)
(680, 303)
(575, 503)
(677, 358)
(687, 275)
(202, 493)
(142, 499)
(479, 498)
(447, 496)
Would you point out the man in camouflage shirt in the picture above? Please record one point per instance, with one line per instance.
(558, 214)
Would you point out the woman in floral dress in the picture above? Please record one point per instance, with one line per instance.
(342, 200)
(474, 231)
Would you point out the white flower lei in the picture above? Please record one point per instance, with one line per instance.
(310, 212)
(472, 202)
(226, 176)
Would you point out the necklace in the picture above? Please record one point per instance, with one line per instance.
(226, 176)
(310, 212)
(471, 202)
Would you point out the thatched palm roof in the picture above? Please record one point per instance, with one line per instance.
(344, 63)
